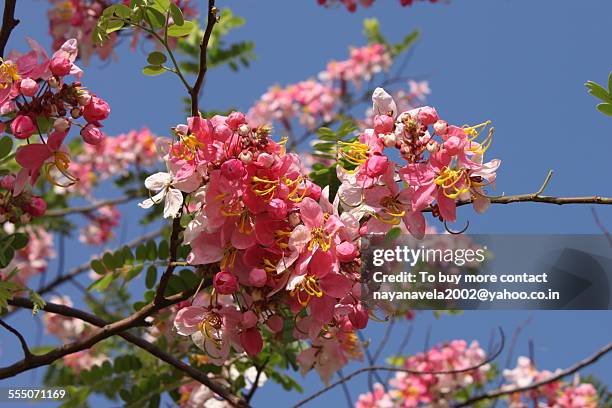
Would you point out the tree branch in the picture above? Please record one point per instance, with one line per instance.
(174, 245)
(404, 370)
(197, 86)
(88, 208)
(24, 345)
(561, 374)
(192, 372)
(8, 24)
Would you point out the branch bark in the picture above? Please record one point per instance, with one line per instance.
(8, 24)
(24, 345)
(197, 86)
(192, 372)
(92, 207)
(564, 373)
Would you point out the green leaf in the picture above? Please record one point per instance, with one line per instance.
(38, 302)
(598, 91)
(605, 108)
(155, 18)
(610, 83)
(156, 58)
(180, 30)
(151, 250)
(110, 262)
(122, 10)
(406, 43)
(133, 272)
(163, 250)
(113, 25)
(102, 283)
(153, 70)
(6, 146)
(151, 277)
(177, 15)
(7, 291)
(141, 252)
(20, 240)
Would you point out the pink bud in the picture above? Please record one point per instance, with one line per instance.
(383, 124)
(23, 127)
(277, 209)
(427, 115)
(97, 109)
(314, 190)
(233, 169)
(377, 165)
(265, 160)
(7, 182)
(84, 98)
(251, 341)
(258, 277)
(275, 323)
(92, 135)
(225, 283)
(346, 251)
(60, 66)
(36, 207)
(453, 145)
(28, 87)
(222, 132)
(235, 119)
(61, 124)
(441, 127)
(249, 319)
(359, 316)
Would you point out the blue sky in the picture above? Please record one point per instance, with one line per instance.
(521, 64)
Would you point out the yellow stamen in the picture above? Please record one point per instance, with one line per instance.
(8, 74)
(354, 152)
(306, 289)
(211, 327)
(321, 238)
(61, 162)
(453, 182)
(229, 257)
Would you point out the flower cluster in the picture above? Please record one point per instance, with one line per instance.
(314, 102)
(311, 101)
(351, 5)
(442, 163)
(68, 329)
(556, 394)
(411, 390)
(112, 157)
(100, 227)
(37, 98)
(283, 250)
(78, 19)
(19, 209)
(34, 257)
(362, 65)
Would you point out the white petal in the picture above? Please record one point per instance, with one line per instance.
(158, 181)
(156, 199)
(174, 202)
(383, 103)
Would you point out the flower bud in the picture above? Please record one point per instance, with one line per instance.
(383, 124)
(427, 115)
(92, 135)
(244, 130)
(249, 319)
(246, 156)
(233, 169)
(7, 182)
(389, 139)
(433, 147)
(28, 87)
(346, 251)
(441, 127)
(265, 160)
(23, 127)
(36, 207)
(383, 103)
(258, 277)
(225, 283)
(251, 341)
(277, 209)
(84, 98)
(376, 165)
(97, 109)
(294, 219)
(235, 119)
(60, 66)
(359, 316)
(275, 323)
(61, 124)
(222, 132)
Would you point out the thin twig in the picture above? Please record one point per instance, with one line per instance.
(255, 385)
(403, 370)
(24, 345)
(194, 373)
(197, 86)
(174, 245)
(8, 24)
(601, 226)
(559, 375)
(91, 207)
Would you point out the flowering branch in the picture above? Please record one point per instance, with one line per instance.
(137, 341)
(24, 345)
(197, 86)
(561, 374)
(405, 370)
(8, 24)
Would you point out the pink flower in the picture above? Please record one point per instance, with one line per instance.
(60, 66)
(36, 207)
(251, 341)
(28, 87)
(92, 134)
(96, 110)
(225, 283)
(23, 127)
